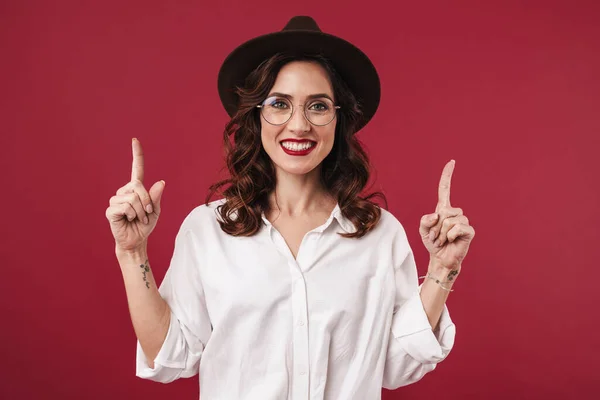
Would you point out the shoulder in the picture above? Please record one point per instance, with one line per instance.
(393, 229)
(389, 224)
(203, 217)
(205, 211)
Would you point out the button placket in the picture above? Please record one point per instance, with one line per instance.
(300, 322)
(300, 333)
(304, 261)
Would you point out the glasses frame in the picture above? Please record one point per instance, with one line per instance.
(335, 108)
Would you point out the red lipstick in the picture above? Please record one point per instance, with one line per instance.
(298, 152)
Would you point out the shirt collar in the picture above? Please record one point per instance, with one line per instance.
(336, 214)
(344, 222)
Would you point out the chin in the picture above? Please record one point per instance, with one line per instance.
(296, 169)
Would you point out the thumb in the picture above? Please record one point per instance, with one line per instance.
(156, 192)
(427, 222)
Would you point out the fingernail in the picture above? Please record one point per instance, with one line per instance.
(149, 208)
(146, 220)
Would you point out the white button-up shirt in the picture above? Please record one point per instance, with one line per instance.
(339, 322)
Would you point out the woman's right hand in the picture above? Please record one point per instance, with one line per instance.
(133, 211)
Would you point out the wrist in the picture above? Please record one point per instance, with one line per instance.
(138, 256)
(444, 274)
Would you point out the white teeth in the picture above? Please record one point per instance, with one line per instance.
(295, 146)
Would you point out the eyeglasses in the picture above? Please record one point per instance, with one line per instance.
(278, 110)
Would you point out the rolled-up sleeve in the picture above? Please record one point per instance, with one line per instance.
(414, 349)
(190, 326)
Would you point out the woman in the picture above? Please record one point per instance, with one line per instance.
(292, 286)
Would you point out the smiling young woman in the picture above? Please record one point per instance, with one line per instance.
(294, 285)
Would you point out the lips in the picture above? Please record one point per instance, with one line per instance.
(298, 149)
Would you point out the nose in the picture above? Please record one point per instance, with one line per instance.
(298, 123)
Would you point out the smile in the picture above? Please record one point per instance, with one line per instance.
(297, 148)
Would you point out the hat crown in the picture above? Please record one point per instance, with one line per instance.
(302, 23)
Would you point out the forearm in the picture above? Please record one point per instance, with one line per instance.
(433, 296)
(150, 314)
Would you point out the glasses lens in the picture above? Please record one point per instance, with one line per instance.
(276, 110)
(320, 111)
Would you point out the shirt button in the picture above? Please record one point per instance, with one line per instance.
(302, 373)
(301, 323)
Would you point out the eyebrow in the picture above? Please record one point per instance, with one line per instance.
(310, 97)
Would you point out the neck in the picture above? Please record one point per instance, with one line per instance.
(298, 195)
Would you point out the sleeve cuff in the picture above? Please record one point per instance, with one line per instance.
(169, 361)
(411, 328)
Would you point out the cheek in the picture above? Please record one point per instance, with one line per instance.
(268, 136)
(329, 137)
(266, 132)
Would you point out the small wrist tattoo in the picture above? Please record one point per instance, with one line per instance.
(452, 275)
(145, 269)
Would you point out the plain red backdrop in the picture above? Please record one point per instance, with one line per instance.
(509, 89)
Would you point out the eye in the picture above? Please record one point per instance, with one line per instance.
(277, 103)
(318, 106)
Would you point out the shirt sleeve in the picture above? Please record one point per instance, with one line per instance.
(414, 349)
(190, 326)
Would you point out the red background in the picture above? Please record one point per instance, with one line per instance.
(509, 89)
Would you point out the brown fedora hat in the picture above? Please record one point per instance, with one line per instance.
(302, 35)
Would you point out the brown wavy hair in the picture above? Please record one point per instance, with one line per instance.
(345, 170)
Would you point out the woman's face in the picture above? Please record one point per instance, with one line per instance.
(297, 146)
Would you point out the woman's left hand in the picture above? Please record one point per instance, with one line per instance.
(446, 233)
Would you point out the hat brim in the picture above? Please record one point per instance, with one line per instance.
(354, 67)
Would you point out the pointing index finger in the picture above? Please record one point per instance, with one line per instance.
(137, 168)
(444, 187)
